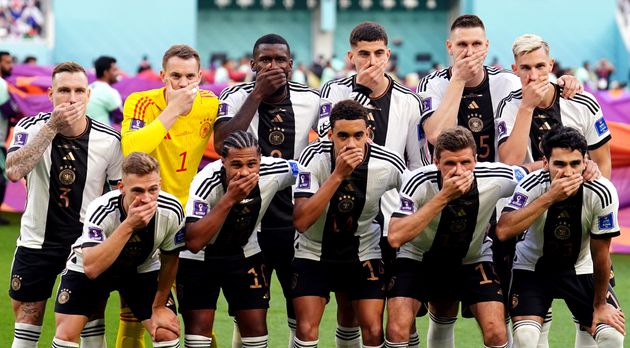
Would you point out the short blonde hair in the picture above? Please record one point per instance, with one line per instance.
(140, 163)
(528, 43)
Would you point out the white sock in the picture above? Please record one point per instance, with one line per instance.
(389, 344)
(543, 340)
(348, 337)
(506, 345)
(607, 337)
(305, 344)
(255, 342)
(167, 344)
(236, 336)
(441, 332)
(57, 343)
(414, 340)
(197, 341)
(583, 339)
(526, 334)
(93, 334)
(509, 332)
(292, 326)
(26, 335)
(379, 346)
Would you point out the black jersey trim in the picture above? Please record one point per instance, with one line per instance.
(103, 210)
(388, 156)
(312, 150)
(536, 179)
(303, 194)
(191, 219)
(172, 205)
(495, 175)
(600, 143)
(585, 101)
(517, 94)
(208, 184)
(605, 235)
(422, 86)
(346, 81)
(173, 251)
(298, 87)
(412, 185)
(407, 91)
(399, 215)
(100, 127)
(30, 121)
(602, 192)
(247, 86)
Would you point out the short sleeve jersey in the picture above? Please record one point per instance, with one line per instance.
(458, 234)
(179, 149)
(582, 112)
(70, 174)
(236, 237)
(559, 239)
(477, 106)
(347, 230)
(165, 232)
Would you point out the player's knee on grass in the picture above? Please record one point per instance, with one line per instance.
(526, 334)
(607, 337)
(164, 335)
(495, 333)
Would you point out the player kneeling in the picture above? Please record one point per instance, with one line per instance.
(118, 251)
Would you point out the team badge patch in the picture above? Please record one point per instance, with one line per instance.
(294, 168)
(64, 296)
(16, 282)
(95, 233)
(223, 109)
(324, 110)
(406, 205)
(605, 222)
(427, 103)
(601, 127)
(304, 181)
(501, 129)
(20, 139)
(179, 236)
(200, 208)
(518, 200)
(136, 124)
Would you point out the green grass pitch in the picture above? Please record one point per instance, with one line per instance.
(466, 331)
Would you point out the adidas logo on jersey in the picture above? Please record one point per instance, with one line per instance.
(473, 105)
(564, 215)
(69, 157)
(277, 119)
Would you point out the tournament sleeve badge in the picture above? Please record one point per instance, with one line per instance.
(406, 205)
(180, 236)
(605, 222)
(518, 200)
(304, 181)
(601, 127)
(502, 129)
(95, 233)
(223, 109)
(324, 110)
(200, 208)
(136, 124)
(427, 103)
(20, 139)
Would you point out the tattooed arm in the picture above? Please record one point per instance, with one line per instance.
(22, 161)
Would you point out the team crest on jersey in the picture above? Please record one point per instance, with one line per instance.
(95, 233)
(304, 181)
(136, 124)
(475, 123)
(180, 236)
(67, 175)
(601, 127)
(64, 296)
(204, 129)
(605, 222)
(16, 282)
(562, 231)
(223, 109)
(324, 110)
(200, 208)
(346, 203)
(518, 200)
(502, 129)
(427, 103)
(276, 136)
(514, 301)
(20, 139)
(406, 204)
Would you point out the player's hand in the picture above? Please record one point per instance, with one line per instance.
(181, 100)
(65, 115)
(591, 172)
(240, 187)
(454, 186)
(607, 314)
(534, 91)
(164, 318)
(466, 68)
(140, 213)
(571, 85)
(268, 81)
(347, 160)
(563, 187)
(370, 75)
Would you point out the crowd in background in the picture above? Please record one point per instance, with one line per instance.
(21, 19)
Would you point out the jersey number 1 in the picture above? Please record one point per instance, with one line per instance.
(182, 168)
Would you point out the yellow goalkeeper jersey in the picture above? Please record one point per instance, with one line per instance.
(178, 149)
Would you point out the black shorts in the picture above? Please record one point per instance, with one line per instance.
(531, 293)
(278, 247)
(503, 257)
(360, 280)
(242, 280)
(80, 295)
(424, 282)
(34, 272)
(389, 256)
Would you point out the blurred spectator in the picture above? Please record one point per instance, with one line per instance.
(222, 73)
(585, 75)
(603, 71)
(21, 19)
(6, 67)
(328, 73)
(318, 66)
(144, 64)
(31, 60)
(495, 63)
(299, 74)
(104, 99)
